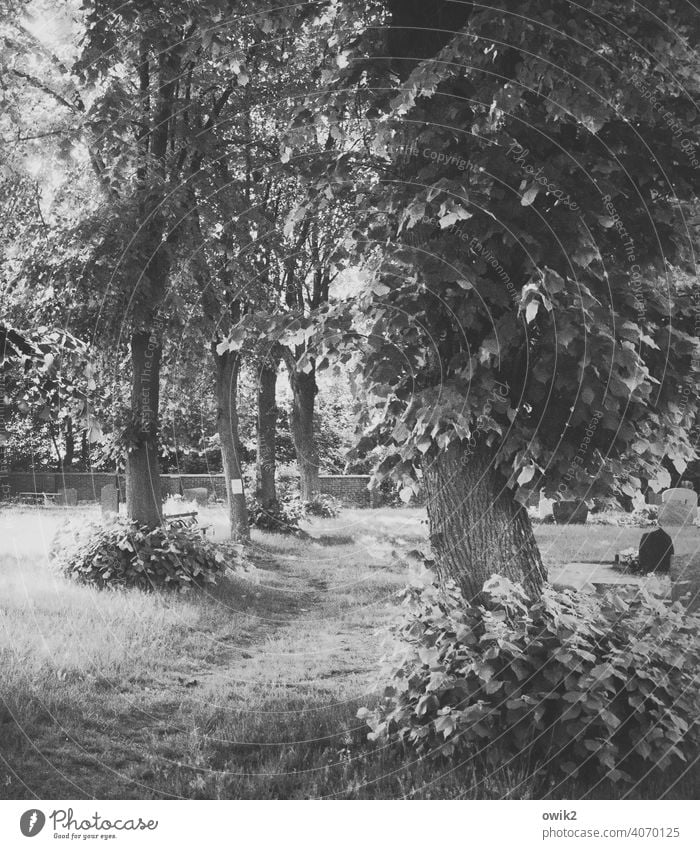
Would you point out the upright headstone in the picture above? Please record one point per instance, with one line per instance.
(570, 512)
(67, 497)
(679, 508)
(685, 580)
(546, 506)
(109, 499)
(199, 494)
(655, 550)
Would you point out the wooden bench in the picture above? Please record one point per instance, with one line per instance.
(185, 520)
(45, 498)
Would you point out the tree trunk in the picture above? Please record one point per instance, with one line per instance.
(227, 368)
(69, 437)
(84, 451)
(267, 433)
(143, 492)
(477, 529)
(4, 471)
(301, 423)
(59, 458)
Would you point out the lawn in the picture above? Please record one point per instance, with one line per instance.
(247, 691)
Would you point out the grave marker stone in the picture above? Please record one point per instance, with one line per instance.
(655, 550)
(679, 508)
(109, 499)
(67, 497)
(570, 512)
(546, 506)
(199, 494)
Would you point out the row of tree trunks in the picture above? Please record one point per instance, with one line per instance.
(477, 529)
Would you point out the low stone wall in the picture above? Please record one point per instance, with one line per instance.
(351, 490)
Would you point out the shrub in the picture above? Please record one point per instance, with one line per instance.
(321, 506)
(281, 517)
(581, 685)
(122, 554)
(285, 515)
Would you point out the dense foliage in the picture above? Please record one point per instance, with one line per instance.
(579, 685)
(122, 554)
(533, 216)
(284, 515)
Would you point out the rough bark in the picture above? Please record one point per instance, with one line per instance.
(267, 433)
(4, 472)
(301, 424)
(477, 529)
(84, 451)
(227, 369)
(143, 492)
(69, 438)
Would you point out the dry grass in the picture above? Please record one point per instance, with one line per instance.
(247, 691)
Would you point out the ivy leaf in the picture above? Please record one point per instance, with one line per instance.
(529, 197)
(526, 475)
(531, 311)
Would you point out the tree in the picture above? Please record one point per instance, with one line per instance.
(528, 327)
(267, 366)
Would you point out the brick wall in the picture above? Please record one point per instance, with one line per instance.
(351, 490)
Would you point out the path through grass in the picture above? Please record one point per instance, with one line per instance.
(247, 691)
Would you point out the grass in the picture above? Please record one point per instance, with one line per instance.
(246, 691)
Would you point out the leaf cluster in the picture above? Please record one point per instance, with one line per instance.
(120, 554)
(579, 685)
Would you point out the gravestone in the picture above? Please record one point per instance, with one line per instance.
(546, 505)
(679, 508)
(199, 494)
(685, 580)
(570, 512)
(67, 497)
(109, 499)
(655, 550)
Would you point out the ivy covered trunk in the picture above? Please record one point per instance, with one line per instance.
(227, 369)
(301, 423)
(143, 492)
(477, 529)
(267, 433)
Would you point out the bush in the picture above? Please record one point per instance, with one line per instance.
(321, 506)
(122, 554)
(580, 685)
(281, 517)
(285, 515)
